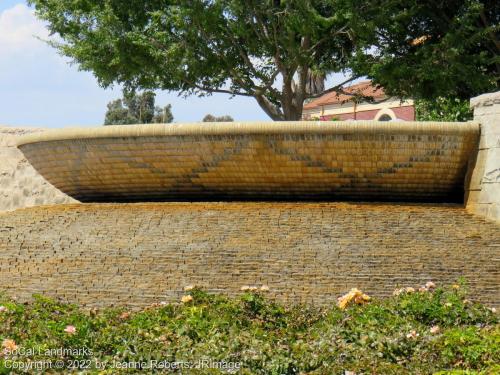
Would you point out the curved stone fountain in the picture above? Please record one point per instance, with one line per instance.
(398, 161)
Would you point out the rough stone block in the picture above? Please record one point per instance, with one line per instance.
(485, 176)
(20, 184)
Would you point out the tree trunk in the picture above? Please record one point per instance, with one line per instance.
(292, 102)
(292, 113)
(292, 98)
(271, 110)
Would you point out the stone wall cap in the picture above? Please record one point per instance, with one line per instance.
(19, 130)
(485, 100)
(241, 128)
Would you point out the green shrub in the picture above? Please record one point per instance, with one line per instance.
(384, 336)
(443, 109)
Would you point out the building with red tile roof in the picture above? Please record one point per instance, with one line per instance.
(342, 106)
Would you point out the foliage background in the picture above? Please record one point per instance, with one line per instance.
(443, 109)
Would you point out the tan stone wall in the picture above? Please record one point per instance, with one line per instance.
(20, 184)
(350, 160)
(484, 188)
(137, 254)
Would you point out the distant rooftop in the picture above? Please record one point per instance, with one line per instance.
(364, 88)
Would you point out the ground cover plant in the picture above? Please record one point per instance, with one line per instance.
(416, 331)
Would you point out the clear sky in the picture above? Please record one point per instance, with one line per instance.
(40, 88)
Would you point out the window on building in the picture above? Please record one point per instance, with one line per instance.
(385, 117)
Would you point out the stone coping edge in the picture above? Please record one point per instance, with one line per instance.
(269, 127)
(485, 100)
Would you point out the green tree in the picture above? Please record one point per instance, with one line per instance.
(428, 49)
(163, 115)
(443, 109)
(212, 118)
(272, 51)
(137, 108)
(117, 114)
(280, 52)
(141, 106)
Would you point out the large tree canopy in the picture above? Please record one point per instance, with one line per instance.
(279, 52)
(268, 50)
(427, 49)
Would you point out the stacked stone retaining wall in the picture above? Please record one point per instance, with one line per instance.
(138, 254)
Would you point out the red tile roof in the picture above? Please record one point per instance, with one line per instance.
(364, 88)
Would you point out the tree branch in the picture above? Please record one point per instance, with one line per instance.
(272, 110)
(491, 34)
(223, 91)
(337, 88)
(329, 36)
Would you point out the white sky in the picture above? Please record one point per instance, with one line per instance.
(40, 88)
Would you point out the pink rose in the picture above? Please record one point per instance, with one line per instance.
(71, 330)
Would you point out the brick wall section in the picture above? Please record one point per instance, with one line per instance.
(369, 160)
(137, 254)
